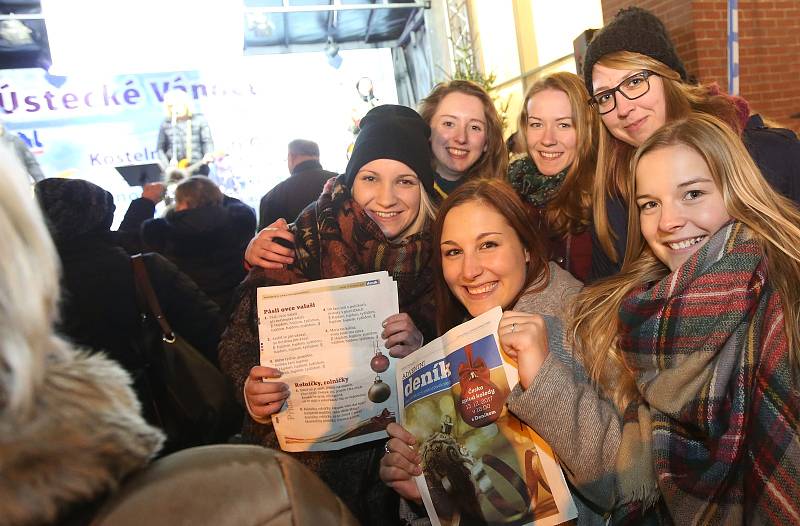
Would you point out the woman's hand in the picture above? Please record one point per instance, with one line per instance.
(401, 335)
(264, 251)
(264, 398)
(524, 338)
(401, 463)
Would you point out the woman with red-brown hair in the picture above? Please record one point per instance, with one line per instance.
(487, 254)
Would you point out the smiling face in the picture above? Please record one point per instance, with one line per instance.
(550, 132)
(483, 260)
(458, 134)
(389, 192)
(680, 206)
(632, 121)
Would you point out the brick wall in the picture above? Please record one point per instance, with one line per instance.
(769, 47)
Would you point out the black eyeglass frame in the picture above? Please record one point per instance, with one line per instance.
(645, 73)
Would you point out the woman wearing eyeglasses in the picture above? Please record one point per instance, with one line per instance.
(638, 84)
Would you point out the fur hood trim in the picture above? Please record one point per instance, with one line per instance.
(83, 436)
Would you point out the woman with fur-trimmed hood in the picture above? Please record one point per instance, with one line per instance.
(70, 426)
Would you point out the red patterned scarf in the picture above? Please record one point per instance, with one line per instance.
(708, 347)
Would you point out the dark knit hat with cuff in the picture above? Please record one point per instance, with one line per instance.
(393, 132)
(637, 30)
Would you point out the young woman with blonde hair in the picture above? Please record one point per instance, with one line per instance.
(695, 340)
(638, 83)
(554, 178)
(376, 216)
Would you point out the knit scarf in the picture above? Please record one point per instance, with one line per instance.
(335, 238)
(533, 186)
(709, 353)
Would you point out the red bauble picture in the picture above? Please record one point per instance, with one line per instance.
(379, 362)
(481, 402)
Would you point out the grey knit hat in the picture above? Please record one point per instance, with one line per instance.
(637, 30)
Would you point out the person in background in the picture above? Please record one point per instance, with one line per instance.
(20, 149)
(71, 428)
(638, 84)
(99, 308)
(203, 238)
(289, 197)
(554, 178)
(376, 216)
(184, 138)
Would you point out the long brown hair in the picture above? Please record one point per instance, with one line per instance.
(502, 197)
(613, 155)
(772, 219)
(494, 161)
(570, 210)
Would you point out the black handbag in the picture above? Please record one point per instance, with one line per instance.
(191, 400)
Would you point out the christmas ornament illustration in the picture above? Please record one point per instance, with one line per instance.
(481, 401)
(379, 362)
(379, 391)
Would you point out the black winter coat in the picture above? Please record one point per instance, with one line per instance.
(99, 309)
(776, 152)
(207, 244)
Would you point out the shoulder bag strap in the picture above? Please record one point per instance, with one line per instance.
(144, 289)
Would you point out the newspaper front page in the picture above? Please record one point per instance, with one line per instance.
(324, 336)
(481, 464)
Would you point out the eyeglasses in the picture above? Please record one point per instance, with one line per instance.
(631, 88)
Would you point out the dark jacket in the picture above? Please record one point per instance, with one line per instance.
(207, 244)
(99, 309)
(776, 152)
(172, 140)
(288, 198)
(128, 235)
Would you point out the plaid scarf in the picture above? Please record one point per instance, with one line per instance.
(335, 237)
(709, 352)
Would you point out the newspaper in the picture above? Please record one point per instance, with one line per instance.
(324, 336)
(481, 464)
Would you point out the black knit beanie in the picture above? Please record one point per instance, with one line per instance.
(637, 30)
(74, 207)
(393, 132)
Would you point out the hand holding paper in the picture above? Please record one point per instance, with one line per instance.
(401, 335)
(523, 337)
(402, 463)
(264, 397)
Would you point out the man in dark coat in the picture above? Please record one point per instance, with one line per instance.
(288, 198)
